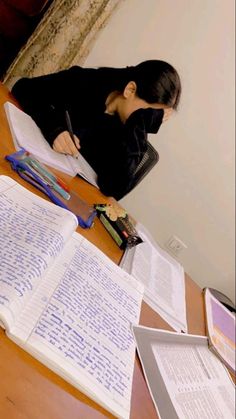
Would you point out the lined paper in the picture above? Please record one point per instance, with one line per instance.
(33, 233)
(86, 307)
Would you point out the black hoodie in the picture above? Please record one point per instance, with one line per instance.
(112, 148)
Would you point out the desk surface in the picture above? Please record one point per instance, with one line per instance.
(29, 390)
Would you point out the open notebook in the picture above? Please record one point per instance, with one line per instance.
(65, 302)
(27, 134)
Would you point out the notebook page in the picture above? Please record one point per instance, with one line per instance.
(83, 332)
(27, 134)
(81, 166)
(33, 233)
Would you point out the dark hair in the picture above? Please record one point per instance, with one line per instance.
(156, 80)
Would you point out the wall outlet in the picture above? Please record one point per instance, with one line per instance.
(175, 245)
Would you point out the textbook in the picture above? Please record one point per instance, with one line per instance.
(185, 379)
(220, 329)
(64, 301)
(26, 134)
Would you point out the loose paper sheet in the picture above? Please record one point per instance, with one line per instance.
(162, 276)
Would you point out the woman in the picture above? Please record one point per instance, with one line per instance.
(111, 109)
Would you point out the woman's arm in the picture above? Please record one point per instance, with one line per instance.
(46, 98)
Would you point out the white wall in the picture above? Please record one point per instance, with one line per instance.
(190, 193)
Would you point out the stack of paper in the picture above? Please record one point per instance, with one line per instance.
(162, 276)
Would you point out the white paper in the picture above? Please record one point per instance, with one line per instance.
(198, 385)
(186, 380)
(162, 276)
(33, 233)
(27, 134)
(78, 324)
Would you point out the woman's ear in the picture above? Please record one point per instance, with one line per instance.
(130, 89)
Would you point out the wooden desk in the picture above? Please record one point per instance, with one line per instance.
(29, 390)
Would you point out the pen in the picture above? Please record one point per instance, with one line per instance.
(46, 176)
(62, 184)
(53, 183)
(69, 127)
(49, 175)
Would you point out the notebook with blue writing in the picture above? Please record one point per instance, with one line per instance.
(65, 302)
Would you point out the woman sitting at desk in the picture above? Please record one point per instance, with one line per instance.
(111, 109)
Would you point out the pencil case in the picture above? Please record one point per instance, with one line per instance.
(118, 223)
(34, 172)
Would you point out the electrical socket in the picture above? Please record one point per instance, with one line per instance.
(175, 245)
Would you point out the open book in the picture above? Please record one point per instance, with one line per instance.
(162, 276)
(64, 301)
(185, 379)
(27, 134)
(220, 329)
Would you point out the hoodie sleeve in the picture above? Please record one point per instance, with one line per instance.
(45, 99)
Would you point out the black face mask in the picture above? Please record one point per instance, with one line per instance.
(147, 119)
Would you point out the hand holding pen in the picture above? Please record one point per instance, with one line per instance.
(66, 142)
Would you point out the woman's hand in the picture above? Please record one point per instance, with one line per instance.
(64, 144)
(167, 114)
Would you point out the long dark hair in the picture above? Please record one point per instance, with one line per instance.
(157, 81)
